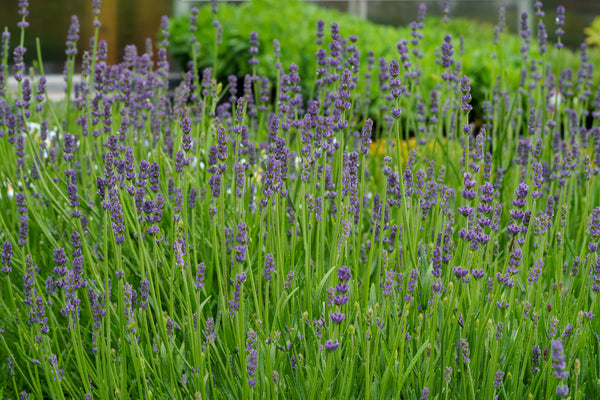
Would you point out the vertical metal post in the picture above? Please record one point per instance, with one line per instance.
(358, 7)
(363, 11)
(181, 7)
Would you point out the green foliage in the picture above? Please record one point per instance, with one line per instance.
(273, 20)
(593, 33)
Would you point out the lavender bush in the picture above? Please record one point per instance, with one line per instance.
(243, 241)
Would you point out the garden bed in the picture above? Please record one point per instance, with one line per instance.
(246, 237)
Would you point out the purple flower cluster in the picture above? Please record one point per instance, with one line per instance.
(559, 365)
(252, 355)
(253, 48)
(593, 225)
(560, 22)
(7, 253)
(234, 304)
(269, 267)
(446, 60)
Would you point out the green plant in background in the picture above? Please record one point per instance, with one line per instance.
(294, 24)
(593, 33)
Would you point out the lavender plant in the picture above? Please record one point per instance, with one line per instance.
(248, 241)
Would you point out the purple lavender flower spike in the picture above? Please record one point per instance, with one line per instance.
(498, 379)
(7, 253)
(23, 12)
(253, 48)
(558, 360)
(560, 22)
(252, 358)
(593, 225)
(332, 345)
